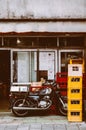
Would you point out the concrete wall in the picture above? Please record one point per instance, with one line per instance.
(42, 9)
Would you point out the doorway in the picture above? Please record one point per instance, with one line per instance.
(4, 79)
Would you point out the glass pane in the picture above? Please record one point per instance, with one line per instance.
(71, 42)
(46, 65)
(10, 41)
(49, 42)
(65, 58)
(24, 67)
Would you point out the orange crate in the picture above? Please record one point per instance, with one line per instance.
(74, 81)
(75, 116)
(74, 104)
(74, 93)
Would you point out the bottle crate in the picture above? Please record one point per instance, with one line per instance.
(74, 104)
(74, 93)
(74, 70)
(75, 115)
(75, 81)
(78, 61)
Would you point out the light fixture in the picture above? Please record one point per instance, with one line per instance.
(18, 41)
(67, 34)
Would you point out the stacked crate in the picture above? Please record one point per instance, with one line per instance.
(61, 80)
(74, 92)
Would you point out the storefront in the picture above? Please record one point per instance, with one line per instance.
(27, 59)
(35, 44)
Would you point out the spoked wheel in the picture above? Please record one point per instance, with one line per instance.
(19, 103)
(63, 107)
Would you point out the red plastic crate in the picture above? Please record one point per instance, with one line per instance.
(63, 90)
(62, 81)
(61, 78)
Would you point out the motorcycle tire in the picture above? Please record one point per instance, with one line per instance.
(20, 113)
(62, 110)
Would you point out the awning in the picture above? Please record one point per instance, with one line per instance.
(58, 26)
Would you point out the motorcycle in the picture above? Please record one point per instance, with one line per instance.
(41, 99)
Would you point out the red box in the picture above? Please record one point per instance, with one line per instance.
(61, 78)
(64, 90)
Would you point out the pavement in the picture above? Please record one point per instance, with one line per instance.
(38, 122)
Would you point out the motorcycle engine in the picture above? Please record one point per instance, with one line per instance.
(42, 104)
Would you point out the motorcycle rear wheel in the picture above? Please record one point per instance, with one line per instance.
(20, 113)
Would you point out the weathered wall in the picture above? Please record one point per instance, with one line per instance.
(38, 9)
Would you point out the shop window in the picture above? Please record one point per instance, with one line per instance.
(23, 66)
(71, 42)
(48, 42)
(9, 41)
(66, 56)
(35, 42)
(46, 65)
(30, 42)
(27, 41)
(42, 42)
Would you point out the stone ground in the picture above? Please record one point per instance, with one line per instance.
(38, 121)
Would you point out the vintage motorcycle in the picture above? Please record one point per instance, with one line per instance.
(41, 99)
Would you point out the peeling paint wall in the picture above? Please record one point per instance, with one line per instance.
(38, 9)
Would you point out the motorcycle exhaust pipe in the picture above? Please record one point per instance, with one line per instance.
(26, 108)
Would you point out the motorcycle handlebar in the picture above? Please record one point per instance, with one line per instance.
(55, 86)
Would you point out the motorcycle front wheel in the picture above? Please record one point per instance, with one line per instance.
(63, 110)
(20, 113)
(63, 106)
